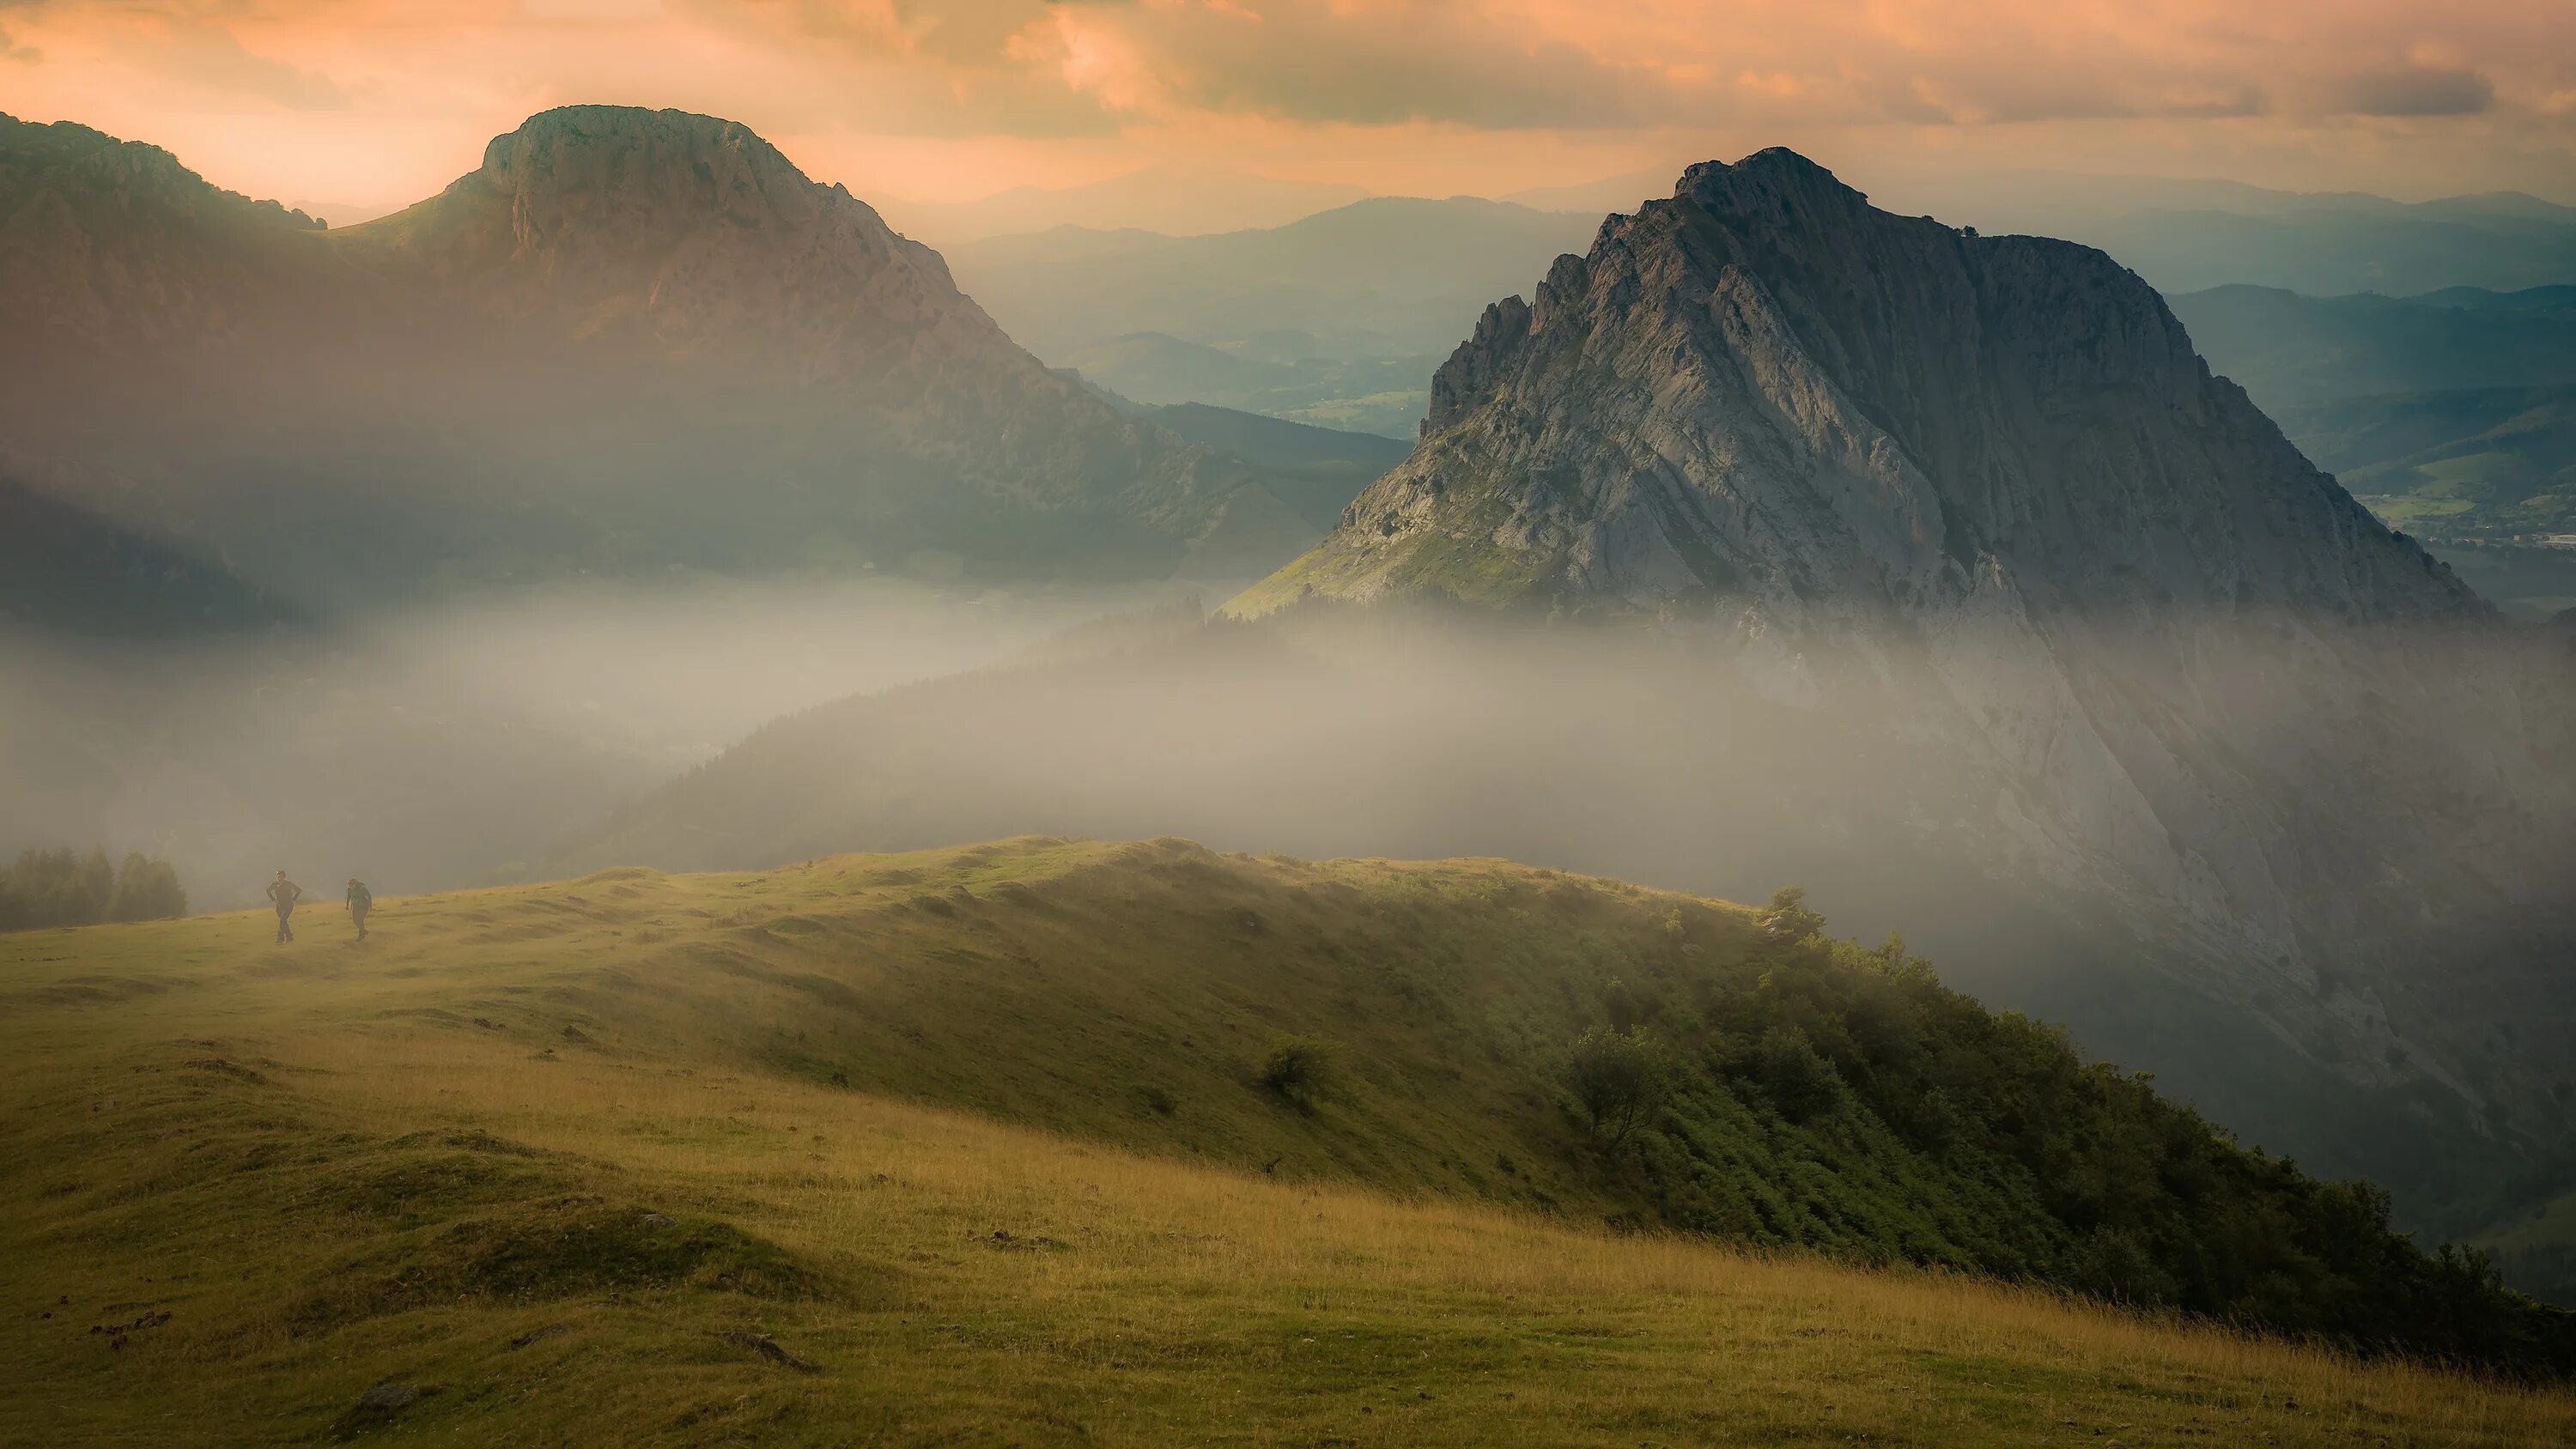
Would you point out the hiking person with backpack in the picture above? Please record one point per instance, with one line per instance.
(360, 901)
(283, 894)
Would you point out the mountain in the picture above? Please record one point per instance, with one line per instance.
(1172, 200)
(622, 1110)
(2290, 351)
(65, 569)
(1316, 471)
(2186, 235)
(2189, 234)
(1275, 377)
(1337, 317)
(1611, 193)
(2449, 414)
(1866, 410)
(1982, 488)
(2480, 299)
(2481, 464)
(546, 368)
(1388, 276)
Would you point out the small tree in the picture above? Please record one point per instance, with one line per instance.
(1789, 918)
(1297, 1069)
(1619, 1077)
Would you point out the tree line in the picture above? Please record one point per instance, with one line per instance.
(1825, 1095)
(63, 887)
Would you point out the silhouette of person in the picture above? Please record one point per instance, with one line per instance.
(283, 894)
(361, 900)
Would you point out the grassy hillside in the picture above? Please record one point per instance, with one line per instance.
(660, 1153)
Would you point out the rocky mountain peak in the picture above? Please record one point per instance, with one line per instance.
(1774, 183)
(691, 235)
(1764, 388)
(578, 176)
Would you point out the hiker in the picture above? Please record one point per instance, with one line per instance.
(360, 898)
(283, 894)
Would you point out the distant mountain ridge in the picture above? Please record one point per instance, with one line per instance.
(2451, 414)
(615, 309)
(1337, 318)
(2291, 350)
(1170, 200)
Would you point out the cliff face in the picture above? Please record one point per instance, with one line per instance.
(1983, 488)
(646, 330)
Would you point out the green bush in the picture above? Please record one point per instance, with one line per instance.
(1298, 1069)
(1799, 1082)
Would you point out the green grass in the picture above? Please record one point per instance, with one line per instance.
(575, 1157)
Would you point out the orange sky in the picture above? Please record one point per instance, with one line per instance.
(371, 103)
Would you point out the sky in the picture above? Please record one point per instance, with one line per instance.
(370, 104)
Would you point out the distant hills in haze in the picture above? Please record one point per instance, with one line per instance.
(1337, 318)
(1175, 200)
(2452, 414)
(2192, 234)
(539, 371)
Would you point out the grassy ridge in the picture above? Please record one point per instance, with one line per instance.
(543, 1150)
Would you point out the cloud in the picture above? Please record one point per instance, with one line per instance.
(2414, 90)
(903, 90)
(208, 54)
(1378, 64)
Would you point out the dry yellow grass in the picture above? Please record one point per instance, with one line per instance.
(265, 1126)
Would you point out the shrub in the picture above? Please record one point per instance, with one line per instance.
(1298, 1069)
(1798, 1081)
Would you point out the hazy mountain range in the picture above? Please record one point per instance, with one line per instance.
(1758, 535)
(2190, 234)
(1336, 318)
(536, 372)
(2451, 414)
(1172, 200)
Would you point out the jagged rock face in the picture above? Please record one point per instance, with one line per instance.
(1984, 488)
(1764, 388)
(618, 315)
